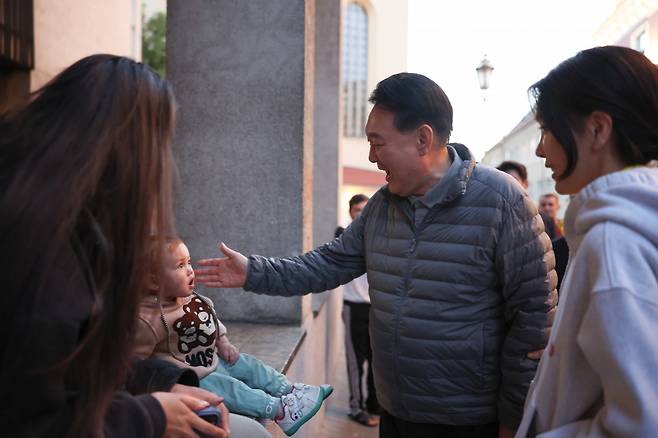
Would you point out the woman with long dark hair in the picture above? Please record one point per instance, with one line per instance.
(598, 113)
(85, 171)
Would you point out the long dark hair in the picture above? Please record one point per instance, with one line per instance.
(616, 80)
(88, 159)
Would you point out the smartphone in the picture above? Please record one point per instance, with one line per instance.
(211, 414)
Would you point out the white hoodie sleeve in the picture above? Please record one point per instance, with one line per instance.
(618, 338)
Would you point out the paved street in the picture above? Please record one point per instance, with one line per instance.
(336, 423)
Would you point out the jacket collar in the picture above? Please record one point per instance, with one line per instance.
(451, 186)
(454, 182)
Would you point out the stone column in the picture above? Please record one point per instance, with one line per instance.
(326, 166)
(243, 73)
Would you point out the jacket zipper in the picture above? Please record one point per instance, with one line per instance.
(403, 300)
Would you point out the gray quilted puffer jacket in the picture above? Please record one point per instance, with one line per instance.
(457, 303)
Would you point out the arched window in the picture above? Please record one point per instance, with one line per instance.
(355, 70)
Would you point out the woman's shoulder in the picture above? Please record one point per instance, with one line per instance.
(619, 257)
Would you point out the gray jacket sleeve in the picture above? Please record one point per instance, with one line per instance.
(324, 268)
(525, 262)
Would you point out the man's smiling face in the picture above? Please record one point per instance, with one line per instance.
(396, 153)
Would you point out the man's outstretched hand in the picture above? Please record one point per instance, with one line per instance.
(229, 271)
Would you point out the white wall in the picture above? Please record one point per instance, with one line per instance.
(67, 30)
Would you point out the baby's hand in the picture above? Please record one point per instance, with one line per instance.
(227, 351)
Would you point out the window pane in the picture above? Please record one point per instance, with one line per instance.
(355, 70)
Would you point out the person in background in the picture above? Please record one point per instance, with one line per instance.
(517, 170)
(549, 204)
(561, 251)
(598, 114)
(356, 317)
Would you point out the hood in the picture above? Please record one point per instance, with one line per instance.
(628, 197)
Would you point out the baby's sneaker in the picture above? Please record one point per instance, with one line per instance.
(326, 390)
(300, 405)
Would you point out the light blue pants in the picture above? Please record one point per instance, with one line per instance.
(249, 387)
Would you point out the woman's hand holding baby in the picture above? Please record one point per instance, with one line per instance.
(182, 419)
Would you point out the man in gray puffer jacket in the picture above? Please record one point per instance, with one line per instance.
(461, 274)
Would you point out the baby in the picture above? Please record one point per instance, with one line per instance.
(179, 325)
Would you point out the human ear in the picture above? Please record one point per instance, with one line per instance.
(600, 126)
(425, 139)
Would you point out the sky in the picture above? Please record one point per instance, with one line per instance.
(524, 40)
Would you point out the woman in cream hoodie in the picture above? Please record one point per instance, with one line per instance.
(598, 376)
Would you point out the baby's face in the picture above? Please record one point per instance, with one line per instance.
(177, 275)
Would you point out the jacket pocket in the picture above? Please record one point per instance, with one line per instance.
(470, 376)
